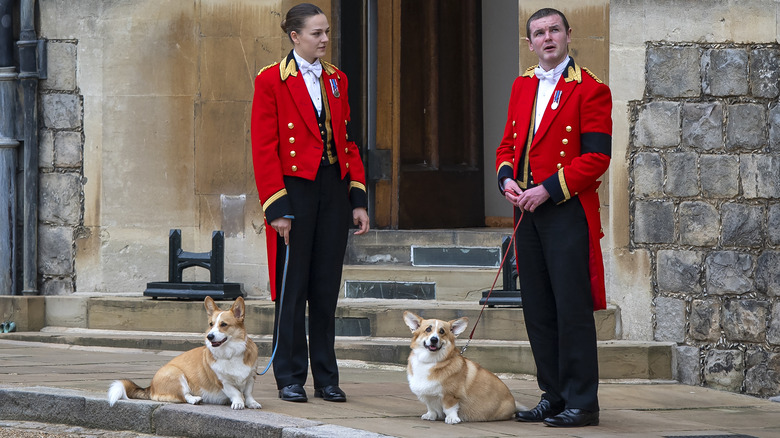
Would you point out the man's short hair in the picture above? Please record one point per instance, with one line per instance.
(541, 13)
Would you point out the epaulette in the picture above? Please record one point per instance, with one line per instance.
(592, 75)
(266, 68)
(328, 67)
(529, 72)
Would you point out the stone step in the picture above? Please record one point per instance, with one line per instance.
(428, 283)
(478, 247)
(358, 317)
(617, 359)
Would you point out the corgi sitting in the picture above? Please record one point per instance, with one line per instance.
(452, 387)
(222, 371)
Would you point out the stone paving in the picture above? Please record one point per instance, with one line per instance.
(379, 402)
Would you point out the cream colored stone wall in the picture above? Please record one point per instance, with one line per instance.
(167, 88)
(633, 24)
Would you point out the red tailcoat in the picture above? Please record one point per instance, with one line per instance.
(286, 140)
(569, 152)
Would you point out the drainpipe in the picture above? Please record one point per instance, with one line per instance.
(8, 150)
(30, 56)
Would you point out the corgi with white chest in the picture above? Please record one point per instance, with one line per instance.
(452, 387)
(220, 372)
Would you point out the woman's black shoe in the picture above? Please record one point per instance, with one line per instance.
(293, 393)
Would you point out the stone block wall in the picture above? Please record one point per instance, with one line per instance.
(704, 167)
(60, 157)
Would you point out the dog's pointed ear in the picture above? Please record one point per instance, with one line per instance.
(211, 306)
(459, 325)
(238, 308)
(412, 320)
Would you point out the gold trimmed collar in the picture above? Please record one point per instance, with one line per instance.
(288, 67)
(573, 72)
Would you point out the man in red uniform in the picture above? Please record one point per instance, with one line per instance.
(557, 143)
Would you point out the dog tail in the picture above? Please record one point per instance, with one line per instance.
(125, 389)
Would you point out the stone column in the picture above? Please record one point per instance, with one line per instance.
(8, 150)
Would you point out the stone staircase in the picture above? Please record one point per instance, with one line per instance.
(436, 274)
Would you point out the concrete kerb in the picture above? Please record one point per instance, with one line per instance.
(86, 409)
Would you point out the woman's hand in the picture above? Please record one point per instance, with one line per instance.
(282, 226)
(360, 218)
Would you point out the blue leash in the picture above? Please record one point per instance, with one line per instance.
(281, 302)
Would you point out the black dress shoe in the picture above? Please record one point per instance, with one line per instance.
(330, 393)
(543, 410)
(293, 393)
(574, 418)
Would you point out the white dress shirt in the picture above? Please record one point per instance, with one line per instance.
(311, 79)
(546, 89)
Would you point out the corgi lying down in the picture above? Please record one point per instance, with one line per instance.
(452, 387)
(221, 372)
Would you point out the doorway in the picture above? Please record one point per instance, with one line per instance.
(425, 155)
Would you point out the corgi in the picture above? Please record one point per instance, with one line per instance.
(221, 372)
(452, 387)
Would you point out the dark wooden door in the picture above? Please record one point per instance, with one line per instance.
(441, 179)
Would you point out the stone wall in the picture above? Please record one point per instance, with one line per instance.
(61, 195)
(704, 168)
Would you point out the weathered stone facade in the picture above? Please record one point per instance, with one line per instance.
(705, 199)
(61, 166)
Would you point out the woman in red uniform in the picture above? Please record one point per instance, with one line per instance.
(311, 182)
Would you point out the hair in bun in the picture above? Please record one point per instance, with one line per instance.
(297, 16)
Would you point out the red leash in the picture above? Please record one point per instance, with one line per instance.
(509, 247)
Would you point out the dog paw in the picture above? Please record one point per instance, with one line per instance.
(252, 404)
(452, 419)
(237, 405)
(430, 416)
(192, 399)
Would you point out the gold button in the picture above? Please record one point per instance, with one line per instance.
(295, 168)
(563, 153)
(347, 165)
(320, 125)
(601, 230)
(292, 153)
(559, 165)
(290, 125)
(513, 123)
(514, 147)
(565, 141)
(568, 129)
(345, 122)
(346, 150)
(599, 209)
(322, 132)
(292, 139)
(515, 135)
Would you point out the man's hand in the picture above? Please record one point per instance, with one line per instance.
(282, 226)
(532, 198)
(360, 218)
(512, 191)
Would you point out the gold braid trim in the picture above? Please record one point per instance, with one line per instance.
(357, 185)
(266, 68)
(564, 187)
(592, 75)
(274, 198)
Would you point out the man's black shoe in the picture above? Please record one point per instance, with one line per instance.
(293, 393)
(536, 415)
(574, 418)
(330, 393)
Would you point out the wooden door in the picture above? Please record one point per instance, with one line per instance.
(429, 114)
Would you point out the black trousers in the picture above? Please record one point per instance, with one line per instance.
(318, 240)
(552, 257)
